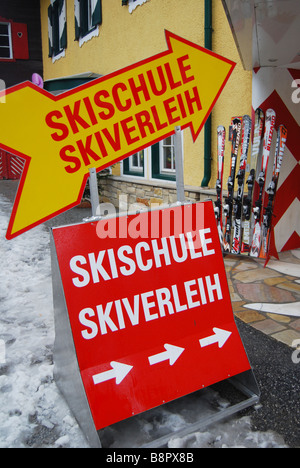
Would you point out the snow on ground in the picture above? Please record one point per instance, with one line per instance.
(32, 411)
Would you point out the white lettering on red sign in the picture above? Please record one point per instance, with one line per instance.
(150, 305)
(146, 255)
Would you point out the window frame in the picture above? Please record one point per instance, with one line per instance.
(10, 40)
(130, 169)
(86, 26)
(57, 35)
(163, 146)
(158, 170)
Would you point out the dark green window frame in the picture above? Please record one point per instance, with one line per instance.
(6, 46)
(88, 15)
(157, 172)
(57, 31)
(157, 164)
(128, 168)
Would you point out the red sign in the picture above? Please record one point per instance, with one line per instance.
(149, 308)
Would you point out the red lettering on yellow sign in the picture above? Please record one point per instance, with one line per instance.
(103, 122)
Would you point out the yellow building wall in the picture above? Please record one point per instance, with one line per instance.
(126, 38)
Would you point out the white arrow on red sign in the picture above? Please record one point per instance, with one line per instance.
(118, 372)
(220, 336)
(172, 353)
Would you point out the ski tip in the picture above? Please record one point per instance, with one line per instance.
(259, 111)
(270, 113)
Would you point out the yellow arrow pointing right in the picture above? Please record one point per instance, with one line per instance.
(98, 124)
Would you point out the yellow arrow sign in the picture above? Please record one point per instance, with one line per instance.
(102, 122)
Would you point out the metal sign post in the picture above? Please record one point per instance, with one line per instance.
(94, 190)
(179, 165)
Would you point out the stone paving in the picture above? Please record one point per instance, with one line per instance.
(267, 298)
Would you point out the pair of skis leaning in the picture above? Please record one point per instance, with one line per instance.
(240, 128)
(272, 188)
(247, 205)
(237, 210)
(263, 214)
(235, 137)
(238, 206)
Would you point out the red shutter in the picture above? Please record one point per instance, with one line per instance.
(20, 41)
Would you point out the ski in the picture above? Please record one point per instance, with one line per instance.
(235, 135)
(221, 134)
(257, 210)
(271, 190)
(247, 202)
(237, 208)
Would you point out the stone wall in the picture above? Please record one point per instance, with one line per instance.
(119, 190)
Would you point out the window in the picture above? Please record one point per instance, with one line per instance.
(57, 27)
(6, 50)
(167, 156)
(134, 165)
(88, 15)
(13, 41)
(163, 159)
(136, 162)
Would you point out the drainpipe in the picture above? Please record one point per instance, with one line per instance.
(207, 127)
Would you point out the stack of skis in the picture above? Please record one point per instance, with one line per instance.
(248, 216)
